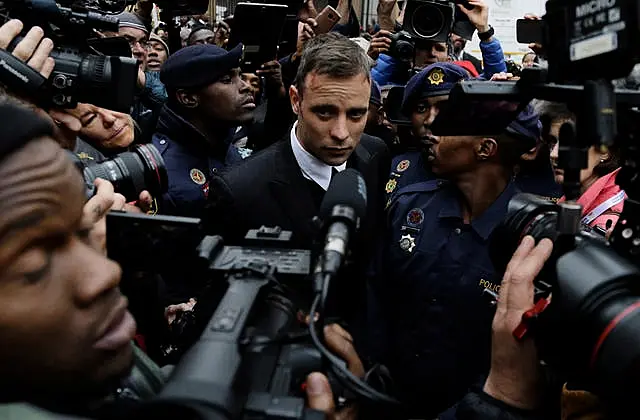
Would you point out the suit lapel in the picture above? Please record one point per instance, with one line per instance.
(291, 191)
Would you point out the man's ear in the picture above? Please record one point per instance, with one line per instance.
(187, 99)
(296, 98)
(486, 148)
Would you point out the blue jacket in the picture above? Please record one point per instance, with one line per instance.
(428, 291)
(191, 161)
(389, 71)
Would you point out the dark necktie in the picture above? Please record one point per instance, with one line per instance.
(334, 171)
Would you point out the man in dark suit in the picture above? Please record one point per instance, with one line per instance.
(284, 184)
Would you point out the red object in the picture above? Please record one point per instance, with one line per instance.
(468, 66)
(521, 330)
(139, 339)
(614, 322)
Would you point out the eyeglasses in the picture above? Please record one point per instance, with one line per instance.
(143, 43)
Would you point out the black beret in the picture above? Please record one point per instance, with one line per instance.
(526, 127)
(199, 65)
(25, 125)
(435, 80)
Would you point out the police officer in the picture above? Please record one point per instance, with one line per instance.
(424, 95)
(435, 282)
(207, 101)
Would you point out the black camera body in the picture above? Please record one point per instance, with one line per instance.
(402, 46)
(82, 77)
(588, 39)
(251, 355)
(429, 20)
(83, 73)
(434, 20)
(589, 330)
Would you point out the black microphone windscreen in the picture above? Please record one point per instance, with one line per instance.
(347, 188)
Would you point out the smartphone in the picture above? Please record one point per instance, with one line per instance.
(529, 31)
(326, 20)
(258, 27)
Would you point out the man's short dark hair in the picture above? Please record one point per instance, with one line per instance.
(333, 55)
(197, 28)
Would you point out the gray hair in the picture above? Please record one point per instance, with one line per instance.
(333, 55)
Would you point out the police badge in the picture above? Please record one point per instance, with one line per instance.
(197, 176)
(407, 243)
(391, 185)
(436, 77)
(403, 166)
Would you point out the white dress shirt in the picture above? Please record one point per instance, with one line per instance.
(312, 168)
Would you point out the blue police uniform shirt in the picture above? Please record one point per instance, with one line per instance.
(406, 169)
(435, 269)
(190, 162)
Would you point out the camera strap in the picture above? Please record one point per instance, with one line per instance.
(598, 211)
(20, 79)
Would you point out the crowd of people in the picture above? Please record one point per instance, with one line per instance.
(244, 150)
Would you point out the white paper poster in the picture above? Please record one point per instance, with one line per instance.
(502, 16)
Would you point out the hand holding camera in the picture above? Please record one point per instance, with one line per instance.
(380, 44)
(33, 49)
(478, 15)
(514, 375)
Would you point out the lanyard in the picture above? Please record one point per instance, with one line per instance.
(598, 211)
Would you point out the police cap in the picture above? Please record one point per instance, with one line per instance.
(526, 127)
(199, 65)
(435, 80)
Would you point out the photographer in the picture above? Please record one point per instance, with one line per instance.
(151, 93)
(108, 131)
(389, 70)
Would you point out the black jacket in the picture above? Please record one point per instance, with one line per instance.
(269, 189)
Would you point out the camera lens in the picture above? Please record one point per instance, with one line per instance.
(404, 50)
(132, 172)
(427, 21)
(527, 214)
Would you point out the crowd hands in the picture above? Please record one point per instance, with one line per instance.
(515, 376)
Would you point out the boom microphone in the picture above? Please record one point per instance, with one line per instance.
(342, 208)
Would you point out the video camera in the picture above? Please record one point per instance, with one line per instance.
(84, 70)
(585, 320)
(253, 354)
(429, 20)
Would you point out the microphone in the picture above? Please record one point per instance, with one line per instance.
(343, 206)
